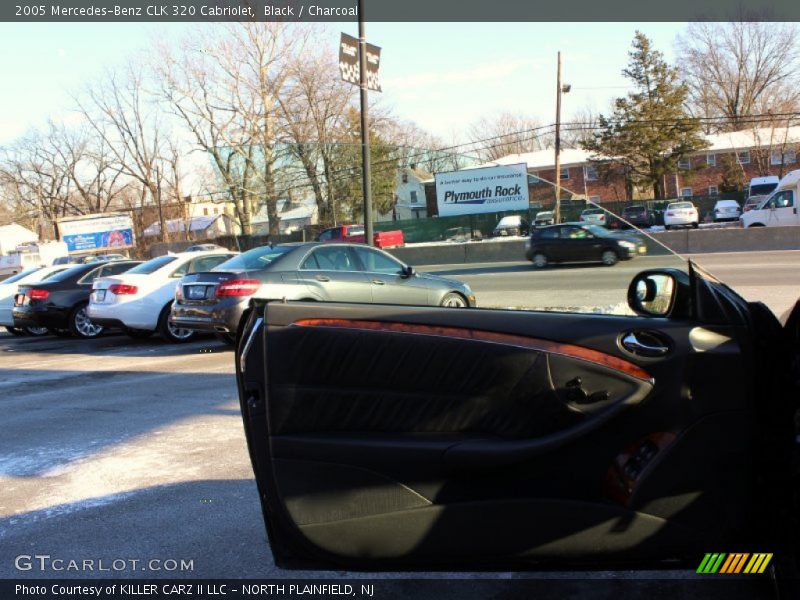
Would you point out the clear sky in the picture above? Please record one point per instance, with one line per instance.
(442, 76)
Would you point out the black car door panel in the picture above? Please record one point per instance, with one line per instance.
(409, 436)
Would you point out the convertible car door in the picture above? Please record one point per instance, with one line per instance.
(399, 437)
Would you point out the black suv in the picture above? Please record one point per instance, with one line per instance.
(637, 215)
(580, 242)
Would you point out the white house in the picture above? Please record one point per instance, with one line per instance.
(409, 195)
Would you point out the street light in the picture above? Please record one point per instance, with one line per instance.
(560, 89)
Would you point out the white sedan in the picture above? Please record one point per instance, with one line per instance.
(681, 214)
(139, 300)
(8, 289)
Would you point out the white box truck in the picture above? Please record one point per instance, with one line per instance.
(779, 208)
(26, 256)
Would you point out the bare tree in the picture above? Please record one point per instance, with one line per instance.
(505, 133)
(738, 69)
(125, 117)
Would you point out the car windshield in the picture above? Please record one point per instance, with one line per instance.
(152, 265)
(253, 260)
(676, 205)
(632, 210)
(597, 230)
(593, 211)
(67, 273)
(764, 188)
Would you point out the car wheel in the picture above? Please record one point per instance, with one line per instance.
(36, 331)
(454, 300)
(228, 338)
(138, 334)
(667, 227)
(15, 331)
(695, 225)
(170, 332)
(80, 325)
(539, 260)
(609, 258)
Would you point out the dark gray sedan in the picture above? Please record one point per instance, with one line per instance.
(215, 300)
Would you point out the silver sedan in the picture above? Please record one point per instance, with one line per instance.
(215, 300)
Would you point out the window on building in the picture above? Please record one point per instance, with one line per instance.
(743, 157)
(713, 190)
(405, 177)
(590, 173)
(216, 210)
(685, 163)
(594, 199)
(533, 178)
(413, 197)
(564, 173)
(687, 192)
(785, 158)
(711, 160)
(205, 212)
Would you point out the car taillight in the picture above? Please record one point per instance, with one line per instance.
(238, 287)
(122, 289)
(35, 294)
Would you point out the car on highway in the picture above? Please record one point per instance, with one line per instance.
(593, 215)
(681, 214)
(726, 210)
(779, 208)
(580, 242)
(8, 289)
(543, 218)
(139, 301)
(215, 300)
(59, 302)
(638, 216)
(511, 225)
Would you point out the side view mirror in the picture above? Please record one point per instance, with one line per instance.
(660, 293)
(407, 271)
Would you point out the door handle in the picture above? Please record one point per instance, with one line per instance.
(632, 344)
(323, 278)
(378, 282)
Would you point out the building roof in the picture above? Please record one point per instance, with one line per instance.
(304, 211)
(13, 235)
(199, 223)
(719, 142)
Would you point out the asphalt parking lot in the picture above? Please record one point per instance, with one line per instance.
(133, 449)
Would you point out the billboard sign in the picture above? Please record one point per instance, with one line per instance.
(94, 233)
(350, 68)
(482, 190)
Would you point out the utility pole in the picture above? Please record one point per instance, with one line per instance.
(557, 213)
(365, 154)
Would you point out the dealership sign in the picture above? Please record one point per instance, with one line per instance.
(97, 232)
(484, 190)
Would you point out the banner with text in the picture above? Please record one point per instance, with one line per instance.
(97, 232)
(482, 190)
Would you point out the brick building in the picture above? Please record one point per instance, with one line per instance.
(756, 152)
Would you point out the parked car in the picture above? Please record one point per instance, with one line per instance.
(355, 235)
(461, 234)
(726, 210)
(593, 215)
(139, 301)
(495, 439)
(579, 242)
(681, 214)
(511, 225)
(201, 247)
(8, 289)
(59, 302)
(638, 216)
(543, 218)
(215, 300)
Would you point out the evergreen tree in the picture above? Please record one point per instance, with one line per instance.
(649, 130)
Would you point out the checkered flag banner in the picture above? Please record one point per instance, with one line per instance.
(349, 65)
